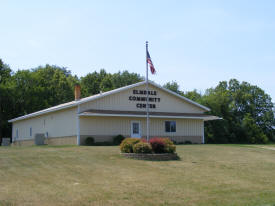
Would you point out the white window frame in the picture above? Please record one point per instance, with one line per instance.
(170, 126)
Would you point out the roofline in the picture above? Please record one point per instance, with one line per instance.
(97, 96)
(180, 96)
(151, 116)
(74, 103)
(44, 111)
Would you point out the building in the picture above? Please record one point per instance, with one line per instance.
(120, 111)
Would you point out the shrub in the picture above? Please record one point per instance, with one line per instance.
(142, 147)
(169, 146)
(118, 139)
(187, 142)
(127, 144)
(89, 141)
(105, 143)
(158, 145)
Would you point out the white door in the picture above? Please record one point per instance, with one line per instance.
(135, 129)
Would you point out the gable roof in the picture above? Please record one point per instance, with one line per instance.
(100, 95)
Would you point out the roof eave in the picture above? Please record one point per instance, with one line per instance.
(42, 112)
(87, 99)
(180, 96)
(151, 116)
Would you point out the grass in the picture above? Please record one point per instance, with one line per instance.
(71, 175)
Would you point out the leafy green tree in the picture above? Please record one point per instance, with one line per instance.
(5, 100)
(5, 72)
(247, 111)
(121, 79)
(41, 88)
(90, 84)
(174, 87)
(218, 100)
(106, 83)
(233, 101)
(95, 82)
(194, 95)
(253, 132)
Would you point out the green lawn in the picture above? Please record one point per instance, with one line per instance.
(206, 175)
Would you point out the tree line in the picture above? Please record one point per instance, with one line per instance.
(246, 109)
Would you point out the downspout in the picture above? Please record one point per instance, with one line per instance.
(77, 94)
(78, 125)
(203, 132)
(12, 133)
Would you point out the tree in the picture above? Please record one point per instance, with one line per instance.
(41, 88)
(253, 132)
(234, 101)
(193, 95)
(121, 79)
(5, 99)
(95, 82)
(5, 72)
(174, 87)
(247, 111)
(106, 83)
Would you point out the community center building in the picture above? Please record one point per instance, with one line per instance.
(108, 114)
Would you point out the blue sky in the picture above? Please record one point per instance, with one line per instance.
(196, 43)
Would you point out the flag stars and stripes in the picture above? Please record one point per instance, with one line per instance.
(149, 61)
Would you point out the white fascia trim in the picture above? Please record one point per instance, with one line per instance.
(138, 84)
(97, 96)
(142, 116)
(43, 112)
(75, 103)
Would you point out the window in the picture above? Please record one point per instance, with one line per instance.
(170, 126)
(135, 128)
(30, 131)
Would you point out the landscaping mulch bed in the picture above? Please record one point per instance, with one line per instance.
(152, 157)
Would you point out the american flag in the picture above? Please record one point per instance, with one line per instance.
(149, 61)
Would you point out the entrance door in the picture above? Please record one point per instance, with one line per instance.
(135, 129)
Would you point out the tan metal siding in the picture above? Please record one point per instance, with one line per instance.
(120, 101)
(122, 125)
(57, 124)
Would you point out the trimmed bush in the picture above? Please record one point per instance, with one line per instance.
(187, 142)
(103, 143)
(142, 147)
(118, 139)
(127, 144)
(155, 145)
(169, 146)
(89, 141)
(158, 145)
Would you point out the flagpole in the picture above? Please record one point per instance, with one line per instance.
(147, 105)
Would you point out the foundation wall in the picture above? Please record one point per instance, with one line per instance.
(72, 140)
